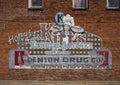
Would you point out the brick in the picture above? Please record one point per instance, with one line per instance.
(16, 18)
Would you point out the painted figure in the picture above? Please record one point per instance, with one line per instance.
(69, 25)
(69, 30)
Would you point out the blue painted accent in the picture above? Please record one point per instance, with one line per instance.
(59, 18)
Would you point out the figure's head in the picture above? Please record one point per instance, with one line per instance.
(68, 20)
(66, 27)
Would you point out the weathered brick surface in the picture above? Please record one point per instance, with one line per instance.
(16, 18)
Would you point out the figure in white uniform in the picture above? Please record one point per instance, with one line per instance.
(69, 25)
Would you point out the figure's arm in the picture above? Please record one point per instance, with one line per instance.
(72, 21)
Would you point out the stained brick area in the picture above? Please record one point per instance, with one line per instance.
(16, 18)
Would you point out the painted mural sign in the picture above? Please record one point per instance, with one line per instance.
(60, 45)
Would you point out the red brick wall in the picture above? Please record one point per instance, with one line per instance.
(15, 18)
